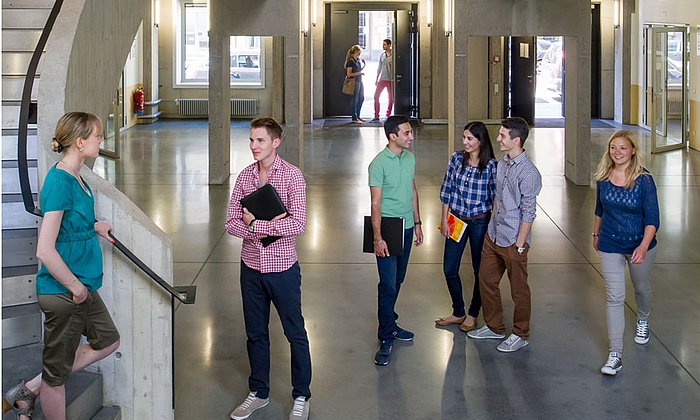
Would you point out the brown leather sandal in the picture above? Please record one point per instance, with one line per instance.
(442, 321)
(19, 393)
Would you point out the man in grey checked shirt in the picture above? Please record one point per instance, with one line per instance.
(518, 182)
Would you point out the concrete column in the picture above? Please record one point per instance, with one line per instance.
(278, 78)
(457, 76)
(292, 148)
(577, 148)
(219, 101)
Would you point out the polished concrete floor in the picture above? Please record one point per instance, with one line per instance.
(442, 374)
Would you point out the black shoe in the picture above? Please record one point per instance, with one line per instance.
(403, 335)
(383, 355)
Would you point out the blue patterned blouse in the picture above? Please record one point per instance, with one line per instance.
(625, 213)
(467, 191)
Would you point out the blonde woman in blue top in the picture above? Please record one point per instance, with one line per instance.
(624, 234)
(467, 192)
(70, 274)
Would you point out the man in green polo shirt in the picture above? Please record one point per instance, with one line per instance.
(394, 194)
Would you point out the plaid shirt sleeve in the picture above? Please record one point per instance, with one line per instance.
(530, 186)
(491, 190)
(447, 188)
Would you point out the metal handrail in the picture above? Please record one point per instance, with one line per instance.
(185, 294)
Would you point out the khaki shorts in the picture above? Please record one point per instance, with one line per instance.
(64, 323)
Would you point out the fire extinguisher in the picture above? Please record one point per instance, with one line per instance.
(139, 100)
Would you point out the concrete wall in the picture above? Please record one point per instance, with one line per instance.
(672, 12)
(85, 57)
(527, 18)
(276, 19)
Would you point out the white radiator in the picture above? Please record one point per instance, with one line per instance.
(200, 107)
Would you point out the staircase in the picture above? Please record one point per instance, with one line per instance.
(22, 24)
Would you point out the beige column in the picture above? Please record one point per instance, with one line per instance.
(577, 110)
(292, 148)
(219, 101)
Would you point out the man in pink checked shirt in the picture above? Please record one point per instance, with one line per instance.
(272, 273)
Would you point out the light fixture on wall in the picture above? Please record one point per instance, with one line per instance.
(429, 12)
(616, 13)
(448, 17)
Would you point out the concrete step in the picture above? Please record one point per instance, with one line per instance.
(20, 363)
(83, 396)
(17, 39)
(19, 247)
(12, 88)
(15, 62)
(10, 180)
(24, 18)
(15, 216)
(27, 4)
(21, 325)
(108, 413)
(19, 290)
(9, 147)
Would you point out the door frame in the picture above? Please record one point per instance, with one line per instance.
(328, 66)
(118, 115)
(650, 33)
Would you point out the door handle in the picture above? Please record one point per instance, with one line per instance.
(398, 77)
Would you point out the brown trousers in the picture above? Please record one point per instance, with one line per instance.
(495, 260)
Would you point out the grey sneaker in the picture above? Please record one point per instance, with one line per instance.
(249, 406)
(641, 336)
(613, 365)
(300, 411)
(484, 332)
(512, 343)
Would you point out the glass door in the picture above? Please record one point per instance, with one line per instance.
(114, 123)
(668, 74)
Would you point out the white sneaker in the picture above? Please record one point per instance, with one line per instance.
(641, 336)
(613, 365)
(250, 405)
(300, 411)
(512, 343)
(484, 332)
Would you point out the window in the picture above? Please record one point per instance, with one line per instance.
(246, 64)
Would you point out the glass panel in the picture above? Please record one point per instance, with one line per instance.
(660, 85)
(668, 77)
(674, 87)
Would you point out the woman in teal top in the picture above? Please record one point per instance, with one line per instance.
(70, 274)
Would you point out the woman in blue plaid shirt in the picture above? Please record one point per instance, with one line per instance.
(467, 193)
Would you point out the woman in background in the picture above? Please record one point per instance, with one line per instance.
(353, 68)
(467, 193)
(624, 234)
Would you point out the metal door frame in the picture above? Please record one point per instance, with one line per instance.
(651, 31)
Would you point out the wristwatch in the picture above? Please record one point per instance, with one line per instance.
(251, 228)
(521, 249)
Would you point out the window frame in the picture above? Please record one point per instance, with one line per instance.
(180, 56)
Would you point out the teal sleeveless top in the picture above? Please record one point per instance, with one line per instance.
(77, 241)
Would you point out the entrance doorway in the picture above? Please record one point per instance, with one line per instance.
(367, 25)
(666, 74)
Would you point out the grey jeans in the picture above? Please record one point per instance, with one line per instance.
(613, 266)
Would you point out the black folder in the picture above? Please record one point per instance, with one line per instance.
(392, 232)
(265, 204)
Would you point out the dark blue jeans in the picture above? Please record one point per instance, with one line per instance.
(284, 291)
(358, 98)
(392, 271)
(475, 234)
